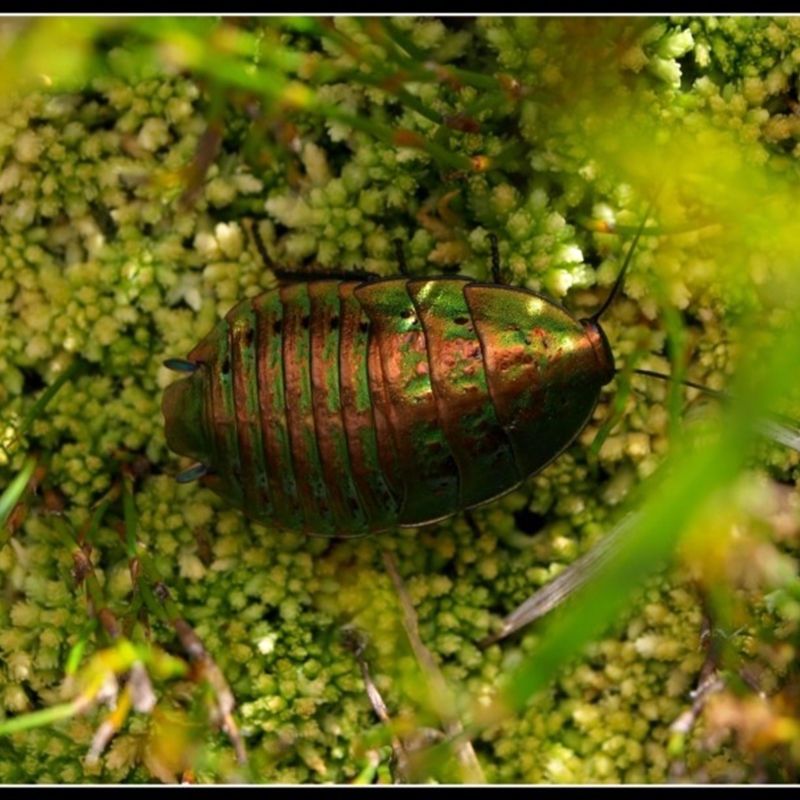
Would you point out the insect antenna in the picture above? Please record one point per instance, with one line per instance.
(610, 299)
(621, 277)
(705, 389)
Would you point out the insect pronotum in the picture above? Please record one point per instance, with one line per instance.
(346, 407)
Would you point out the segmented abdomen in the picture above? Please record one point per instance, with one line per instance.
(341, 407)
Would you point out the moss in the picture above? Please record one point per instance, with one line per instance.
(103, 259)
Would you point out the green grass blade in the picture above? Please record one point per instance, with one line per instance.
(13, 493)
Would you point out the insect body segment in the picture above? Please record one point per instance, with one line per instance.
(348, 407)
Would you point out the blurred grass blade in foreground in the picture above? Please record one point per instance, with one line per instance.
(587, 566)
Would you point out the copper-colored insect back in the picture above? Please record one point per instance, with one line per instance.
(348, 407)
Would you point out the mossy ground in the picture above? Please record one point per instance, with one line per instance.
(134, 159)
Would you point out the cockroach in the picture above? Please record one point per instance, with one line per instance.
(348, 407)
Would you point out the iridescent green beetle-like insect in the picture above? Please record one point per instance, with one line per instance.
(343, 407)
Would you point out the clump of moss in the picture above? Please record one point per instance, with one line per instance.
(126, 204)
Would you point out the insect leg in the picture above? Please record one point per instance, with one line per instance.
(496, 275)
(401, 257)
(258, 239)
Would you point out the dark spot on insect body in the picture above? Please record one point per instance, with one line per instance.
(226, 367)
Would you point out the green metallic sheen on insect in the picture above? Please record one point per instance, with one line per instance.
(347, 407)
